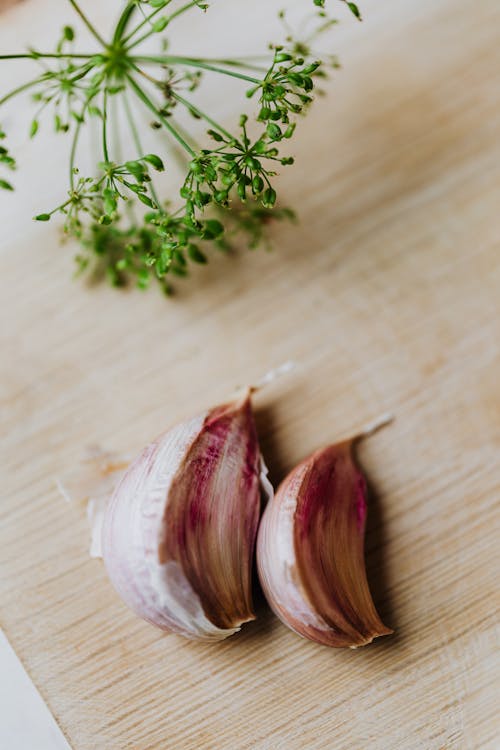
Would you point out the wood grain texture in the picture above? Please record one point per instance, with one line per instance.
(387, 297)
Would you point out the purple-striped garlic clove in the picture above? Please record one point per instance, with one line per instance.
(310, 551)
(179, 532)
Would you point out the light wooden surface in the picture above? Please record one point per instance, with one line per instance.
(387, 298)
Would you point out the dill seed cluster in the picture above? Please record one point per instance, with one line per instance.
(125, 229)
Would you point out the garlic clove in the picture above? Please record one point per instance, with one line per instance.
(179, 532)
(310, 552)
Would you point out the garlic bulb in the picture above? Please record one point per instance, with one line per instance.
(179, 532)
(310, 551)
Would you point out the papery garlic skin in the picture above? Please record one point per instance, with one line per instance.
(310, 554)
(179, 532)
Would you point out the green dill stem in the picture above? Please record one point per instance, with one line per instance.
(145, 75)
(72, 197)
(132, 125)
(105, 149)
(116, 130)
(72, 155)
(151, 31)
(129, 206)
(76, 137)
(149, 104)
(234, 63)
(87, 23)
(194, 63)
(178, 153)
(123, 21)
(41, 108)
(203, 115)
(20, 89)
(42, 55)
(145, 21)
(82, 72)
(59, 208)
(137, 142)
(183, 9)
(185, 135)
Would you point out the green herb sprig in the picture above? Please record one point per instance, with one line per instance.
(126, 231)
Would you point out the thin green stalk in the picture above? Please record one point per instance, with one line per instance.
(105, 149)
(41, 55)
(145, 75)
(137, 142)
(123, 21)
(178, 153)
(87, 23)
(191, 107)
(150, 105)
(183, 9)
(20, 89)
(91, 196)
(151, 31)
(59, 208)
(129, 205)
(193, 63)
(82, 72)
(132, 125)
(177, 126)
(41, 108)
(145, 21)
(72, 155)
(76, 137)
(232, 63)
(116, 130)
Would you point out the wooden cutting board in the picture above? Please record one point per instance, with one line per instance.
(387, 298)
